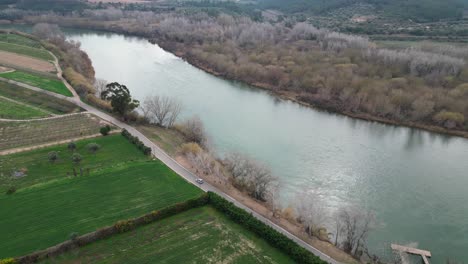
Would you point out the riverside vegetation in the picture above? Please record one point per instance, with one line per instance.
(423, 86)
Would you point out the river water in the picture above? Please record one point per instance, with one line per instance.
(415, 181)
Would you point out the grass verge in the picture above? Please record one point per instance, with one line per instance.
(46, 83)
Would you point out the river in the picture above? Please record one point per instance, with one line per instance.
(415, 181)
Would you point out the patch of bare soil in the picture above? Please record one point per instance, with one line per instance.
(14, 59)
(261, 208)
(4, 69)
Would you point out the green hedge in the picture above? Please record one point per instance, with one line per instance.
(275, 238)
(135, 141)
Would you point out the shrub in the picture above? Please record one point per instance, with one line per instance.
(134, 140)
(190, 148)
(52, 156)
(8, 261)
(11, 190)
(449, 119)
(76, 158)
(124, 226)
(93, 147)
(71, 146)
(276, 239)
(74, 236)
(105, 130)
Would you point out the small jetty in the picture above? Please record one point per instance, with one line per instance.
(423, 253)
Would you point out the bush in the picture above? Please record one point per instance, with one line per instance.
(190, 148)
(124, 226)
(449, 119)
(76, 158)
(11, 190)
(134, 140)
(105, 130)
(53, 156)
(71, 146)
(8, 261)
(73, 236)
(93, 147)
(276, 239)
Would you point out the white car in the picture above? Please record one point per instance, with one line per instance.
(199, 181)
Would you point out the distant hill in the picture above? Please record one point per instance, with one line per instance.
(419, 10)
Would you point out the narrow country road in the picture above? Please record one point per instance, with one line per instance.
(166, 159)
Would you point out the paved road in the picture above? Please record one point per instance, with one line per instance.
(171, 163)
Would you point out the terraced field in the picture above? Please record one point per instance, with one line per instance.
(200, 235)
(40, 100)
(41, 81)
(20, 40)
(36, 132)
(26, 50)
(45, 214)
(12, 110)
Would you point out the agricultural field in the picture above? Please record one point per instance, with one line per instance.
(114, 149)
(36, 99)
(52, 210)
(46, 83)
(41, 54)
(200, 235)
(10, 109)
(36, 132)
(14, 60)
(20, 40)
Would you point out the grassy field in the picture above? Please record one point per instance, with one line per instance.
(114, 149)
(49, 84)
(41, 100)
(36, 132)
(12, 110)
(25, 50)
(200, 235)
(49, 205)
(20, 40)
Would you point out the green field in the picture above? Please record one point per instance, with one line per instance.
(114, 150)
(25, 50)
(12, 110)
(33, 98)
(56, 205)
(46, 83)
(20, 40)
(200, 235)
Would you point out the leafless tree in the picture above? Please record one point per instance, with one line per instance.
(48, 32)
(356, 224)
(194, 131)
(161, 110)
(250, 175)
(100, 86)
(311, 212)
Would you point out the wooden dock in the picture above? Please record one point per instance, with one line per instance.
(423, 253)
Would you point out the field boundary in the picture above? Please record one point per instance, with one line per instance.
(26, 105)
(45, 118)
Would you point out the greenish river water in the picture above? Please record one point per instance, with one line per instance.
(415, 181)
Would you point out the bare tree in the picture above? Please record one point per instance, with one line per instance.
(100, 86)
(311, 212)
(356, 224)
(194, 131)
(250, 175)
(161, 110)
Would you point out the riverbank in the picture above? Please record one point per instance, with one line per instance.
(296, 97)
(170, 141)
(119, 27)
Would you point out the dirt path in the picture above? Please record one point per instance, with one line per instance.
(13, 59)
(41, 119)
